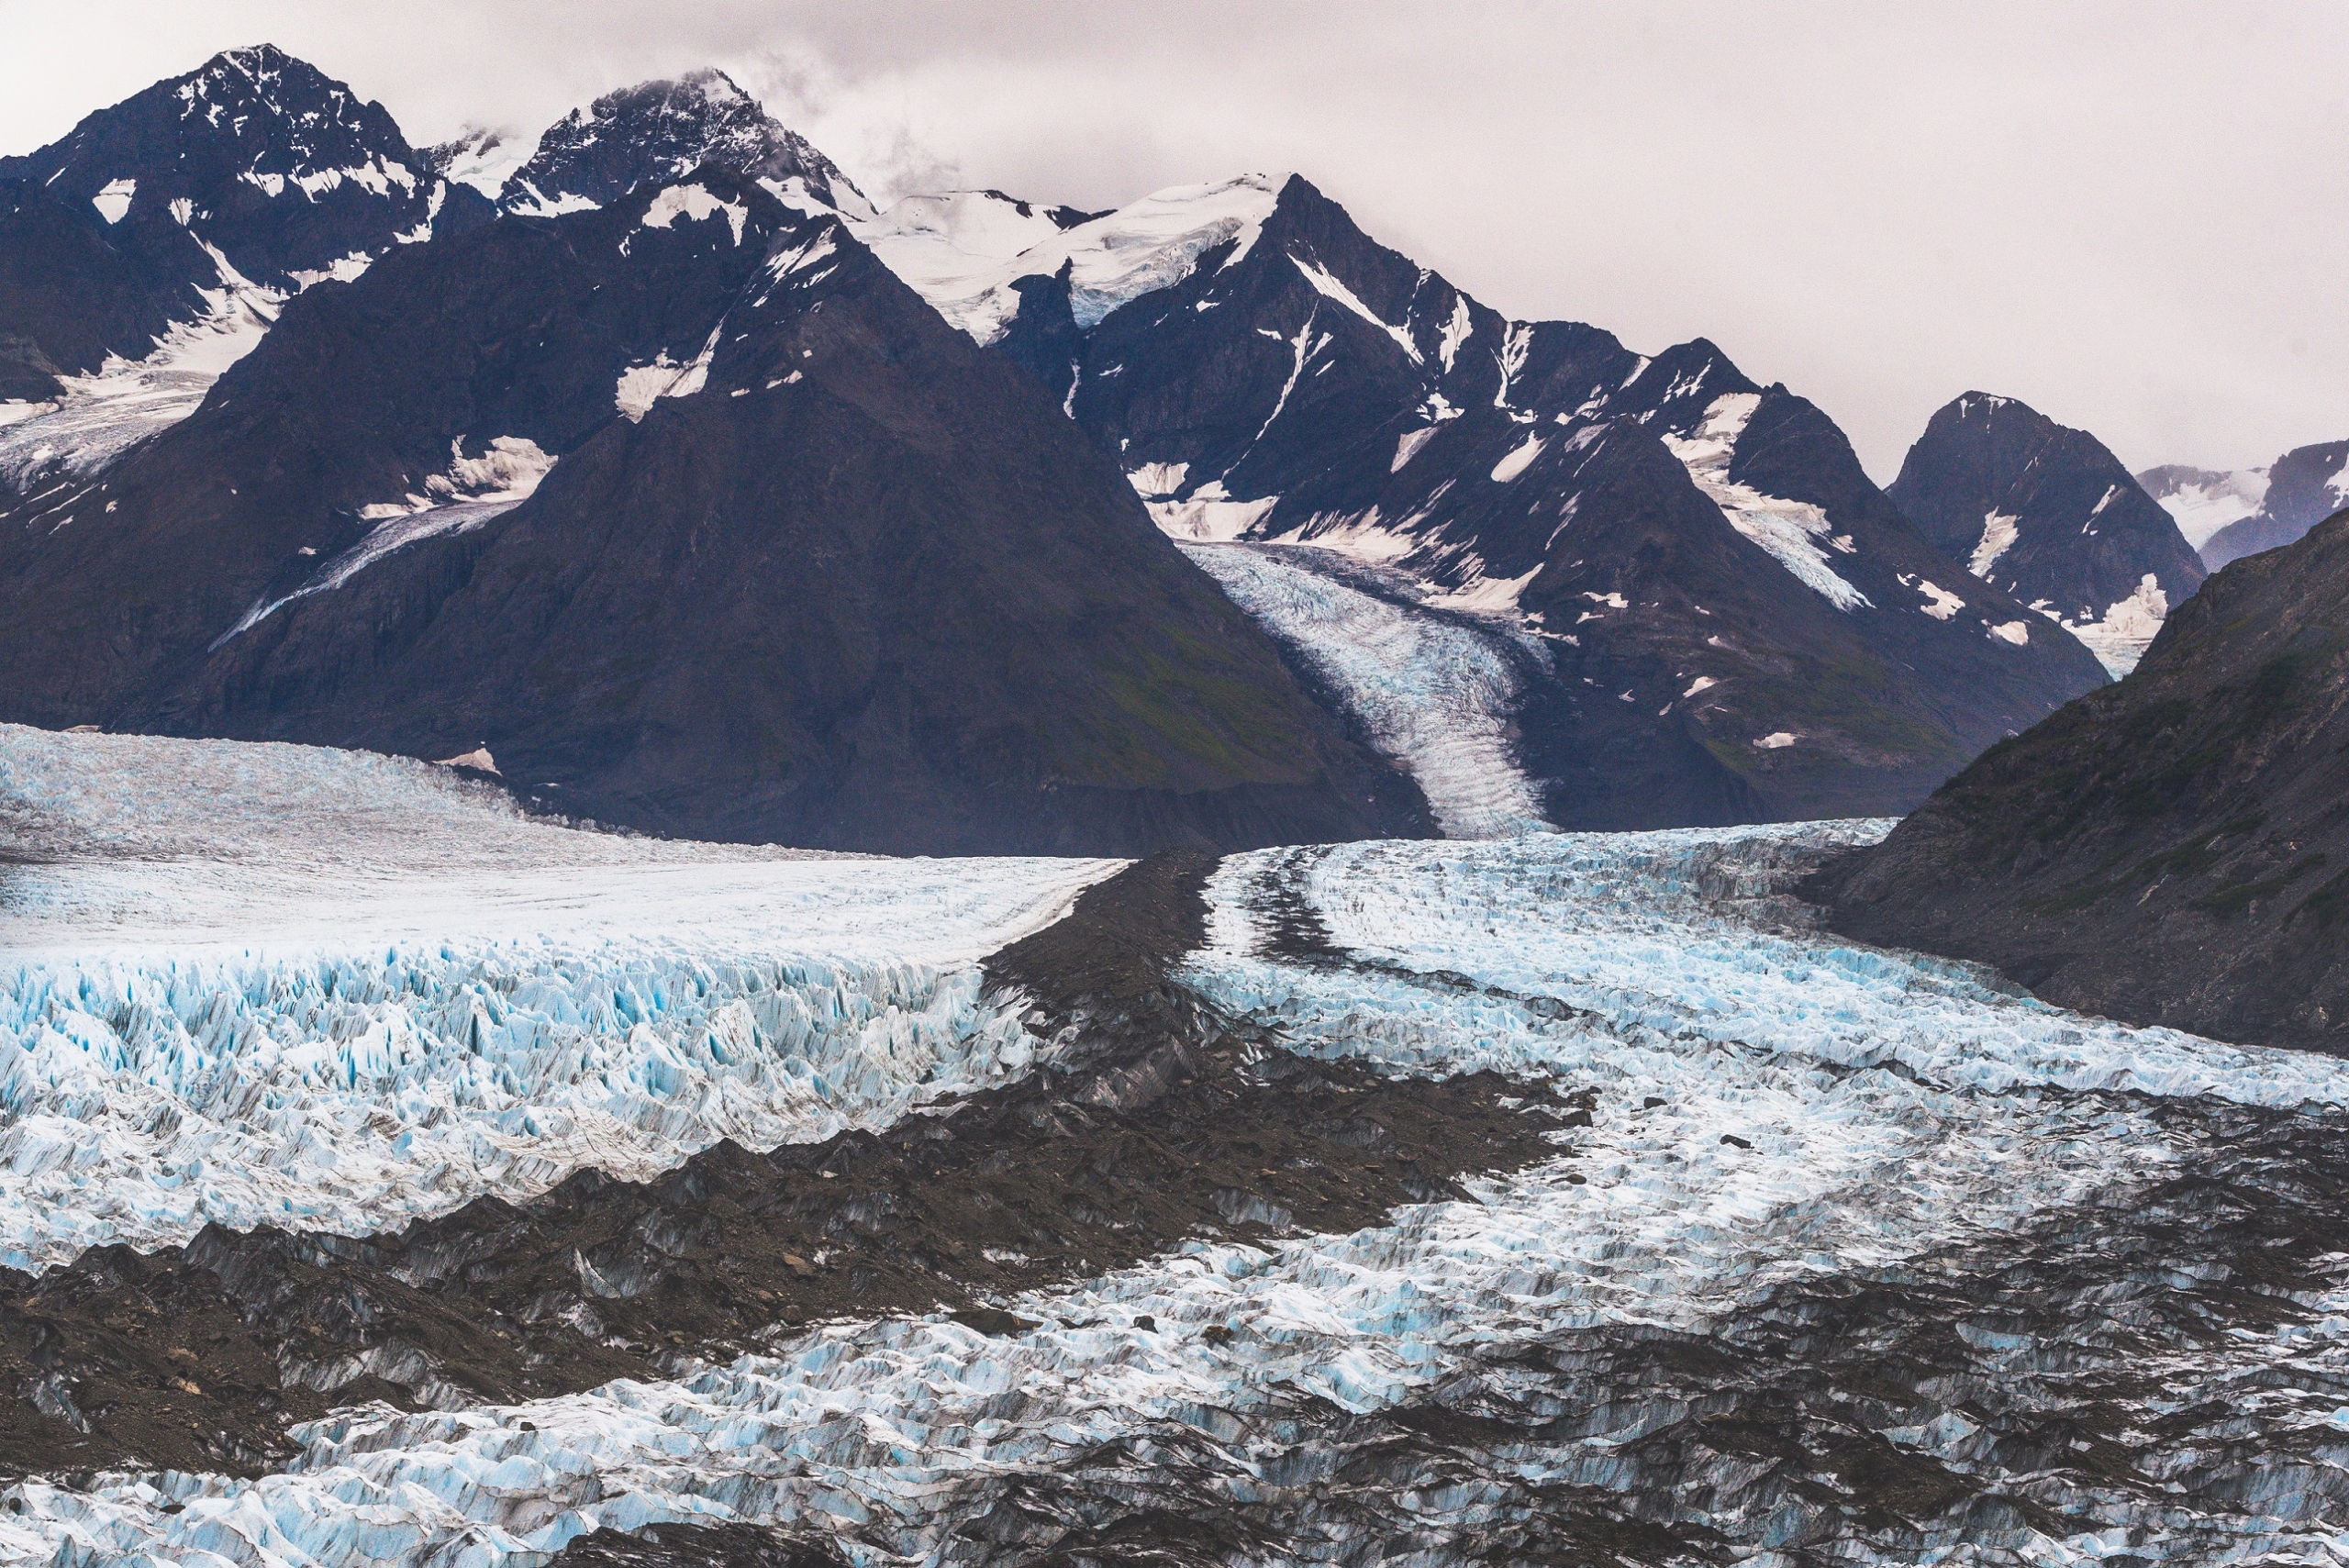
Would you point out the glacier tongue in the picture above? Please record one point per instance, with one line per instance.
(279, 984)
(1435, 691)
(1841, 1147)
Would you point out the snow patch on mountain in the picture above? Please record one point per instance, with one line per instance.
(113, 202)
(479, 156)
(508, 469)
(1789, 531)
(1327, 284)
(1432, 693)
(693, 203)
(104, 414)
(472, 491)
(1209, 516)
(1518, 459)
(952, 248)
(2203, 500)
(2119, 637)
(1144, 246)
(640, 386)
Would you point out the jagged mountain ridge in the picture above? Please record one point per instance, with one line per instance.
(153, 243)
(659, 132)
(2304, 486)
(778, 554)
(2169, 850)
(286, 173)
(2049, 514)
(1265, 372)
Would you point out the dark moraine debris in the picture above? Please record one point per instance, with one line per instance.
(1156, 1120)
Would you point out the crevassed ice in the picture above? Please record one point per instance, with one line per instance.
(353, 1091)
(1891, 1103)
(253, 984)
(1435, 694)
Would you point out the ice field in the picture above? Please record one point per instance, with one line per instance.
(1881, 1203)
(328, 990)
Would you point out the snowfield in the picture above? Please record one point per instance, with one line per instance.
(248, 984)
(1858, 1152)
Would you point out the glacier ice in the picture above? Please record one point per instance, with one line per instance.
(279, 984)
(1821, 1115)
(1435, 691)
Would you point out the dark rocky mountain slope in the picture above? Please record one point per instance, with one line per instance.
(2049, 515)
(2305, 486)
(2173, 848)
(701, 521)
(69, 295)
(660, 131)
(274, 170)
(1707, 611)
(150, 247)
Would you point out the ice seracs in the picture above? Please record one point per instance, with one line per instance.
(275, 984)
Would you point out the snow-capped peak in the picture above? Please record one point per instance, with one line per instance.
(952, 249)
(660, 131)
(480, 155)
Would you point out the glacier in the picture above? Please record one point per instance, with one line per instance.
(1808, 1158)
(245, 984)
(1432, 691)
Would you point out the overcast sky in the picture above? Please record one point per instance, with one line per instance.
(2135, 216)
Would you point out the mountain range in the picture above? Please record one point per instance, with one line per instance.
(1705, 610)
(1495, 574)
(2242, 512)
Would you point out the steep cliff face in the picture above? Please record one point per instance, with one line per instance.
(2171, 849)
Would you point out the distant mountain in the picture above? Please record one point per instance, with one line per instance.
(658, 131)
(2304, 486)
(2050, 516)
(698, 519)
(215, 196)
(479, 156)
(2171, 849)
(2204, 500)
(1691, 603)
